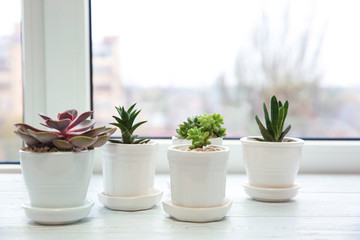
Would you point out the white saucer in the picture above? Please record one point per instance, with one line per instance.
(271, 194)
(197, 214)
(57, 216)
(136, 203)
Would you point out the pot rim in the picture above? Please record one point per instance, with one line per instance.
(249, 140)
(149, 144)
(53, 153)
(174, 148)
(175, 137)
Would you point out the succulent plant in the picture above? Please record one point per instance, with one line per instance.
(71, 133)
(212, 123)
(183, 129)
(275, 123)
(206, 122)
(125, 122)
(200, 129)
(199, 138)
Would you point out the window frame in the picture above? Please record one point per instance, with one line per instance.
(56, 57)
(46, 50)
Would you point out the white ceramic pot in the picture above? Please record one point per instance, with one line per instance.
(198, 179)
(129, 169)
(58, 179)
(179, 141)
(272, 164)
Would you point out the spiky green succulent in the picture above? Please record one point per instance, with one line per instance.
(198, 138)
(126, 123)
(71, 132)
(273, 132)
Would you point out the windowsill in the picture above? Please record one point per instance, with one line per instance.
(10, 168)
(326, 207)
(318, 157)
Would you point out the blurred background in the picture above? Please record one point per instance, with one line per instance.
(11, 100)
(177, 59)
(184, 58)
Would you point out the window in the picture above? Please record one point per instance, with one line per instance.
(49, 88)
(11, 105)
(183, 58)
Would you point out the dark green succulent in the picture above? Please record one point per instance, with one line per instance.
(275, 123)
(126, 123)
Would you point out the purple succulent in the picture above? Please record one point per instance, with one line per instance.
(71, 132)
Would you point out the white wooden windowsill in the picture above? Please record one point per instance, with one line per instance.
(327, 207)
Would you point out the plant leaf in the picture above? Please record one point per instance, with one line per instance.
(132, 118)
(74, 113)
(266, 135)
(269, 125)
(259, 139)
(94, 132)
(62, 144)
(136, 126)
(120, 125)
(274, 114)
(286, 107)
(126, 136)
(118, 109)
(84, 125)
(29, 140)
(124, 115)
(141, 141)
(109, 131)
(82, 142)
(25, 127)
(80, 119)
(65, 115)
(43, 116)
(281, 119)
(60, 125)
(115, 141)
(43, 137)
(131, 108)
(101, 140)
(282, 135)
(117, 119)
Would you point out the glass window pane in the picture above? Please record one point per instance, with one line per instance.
(182, 58)
(11, 106)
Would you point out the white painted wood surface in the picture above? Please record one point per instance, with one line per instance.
(327, 207)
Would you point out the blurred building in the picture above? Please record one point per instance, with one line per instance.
(10, 76)
(107, 84)
(11, 101)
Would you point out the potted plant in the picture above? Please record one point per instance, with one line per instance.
(129, 167)
(210, 122)
(57, 166)
(272, 161)
(198, 179)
